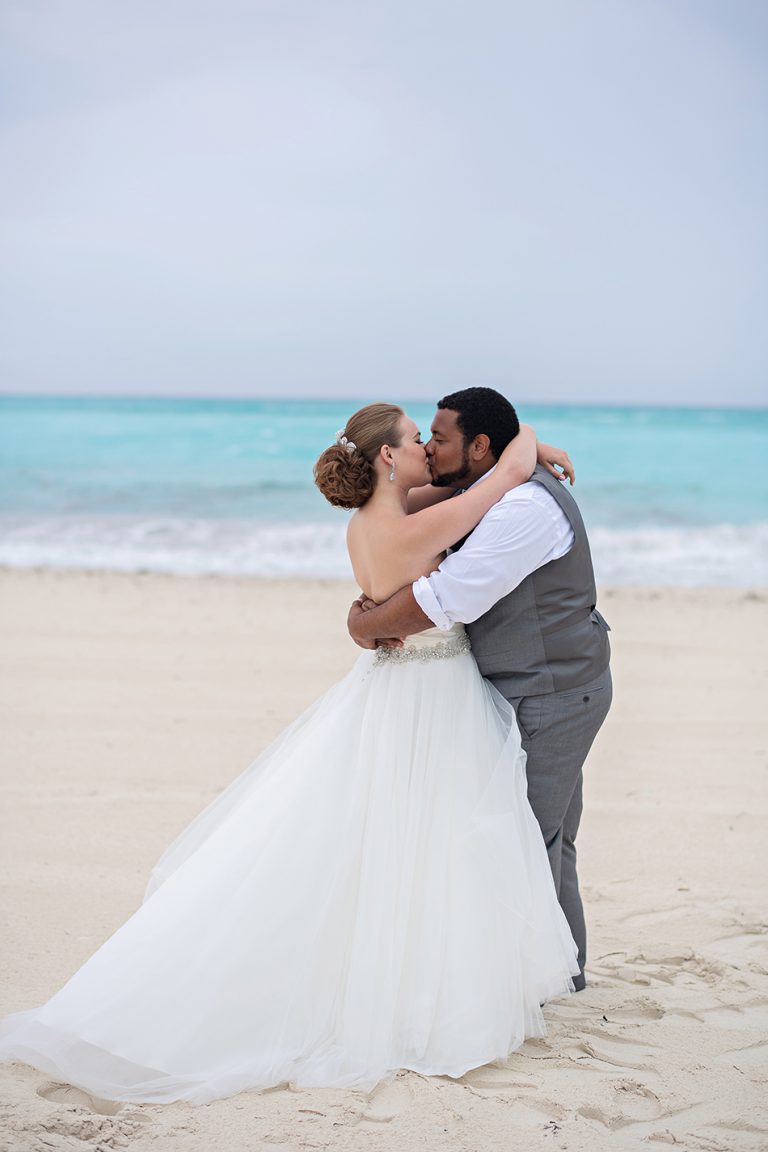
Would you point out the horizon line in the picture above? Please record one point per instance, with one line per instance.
(744, 406)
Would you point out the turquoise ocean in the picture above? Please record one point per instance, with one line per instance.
(669, 495)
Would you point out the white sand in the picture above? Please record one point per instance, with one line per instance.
(129, 701)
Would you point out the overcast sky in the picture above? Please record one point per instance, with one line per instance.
(564, 199)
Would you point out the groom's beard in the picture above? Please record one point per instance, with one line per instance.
(451, 479)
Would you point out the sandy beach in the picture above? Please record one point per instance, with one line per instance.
(129, 701)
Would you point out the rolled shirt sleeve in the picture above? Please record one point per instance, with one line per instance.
(524, 530)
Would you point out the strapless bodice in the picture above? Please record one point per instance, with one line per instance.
(432, 644)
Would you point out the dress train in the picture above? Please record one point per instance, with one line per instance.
(373, 893)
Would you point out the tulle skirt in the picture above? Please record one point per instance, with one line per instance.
(373, 893)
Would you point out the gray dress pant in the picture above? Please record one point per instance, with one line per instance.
(557, 730)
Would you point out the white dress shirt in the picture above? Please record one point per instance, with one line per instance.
(524, 530)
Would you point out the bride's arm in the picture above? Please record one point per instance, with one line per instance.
(555, 460)
(434, 529)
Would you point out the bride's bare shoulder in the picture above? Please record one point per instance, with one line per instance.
(361, 525)
(379, 531)
(367, 533)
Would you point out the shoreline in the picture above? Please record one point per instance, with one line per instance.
(605, 588)
(130, 700)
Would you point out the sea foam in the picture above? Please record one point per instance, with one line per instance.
(723, 554)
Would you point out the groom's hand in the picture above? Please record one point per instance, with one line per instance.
(357, 610)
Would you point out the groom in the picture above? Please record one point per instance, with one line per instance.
(523, 584)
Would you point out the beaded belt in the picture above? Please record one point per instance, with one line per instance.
(443, 650)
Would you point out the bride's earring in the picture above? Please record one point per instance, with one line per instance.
(392, 473)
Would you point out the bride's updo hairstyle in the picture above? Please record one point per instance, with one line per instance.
(344, 472)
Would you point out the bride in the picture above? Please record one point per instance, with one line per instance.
(373, 893)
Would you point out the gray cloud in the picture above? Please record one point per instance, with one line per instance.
(562, 199)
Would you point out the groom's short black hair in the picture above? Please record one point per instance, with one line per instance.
(483, 410)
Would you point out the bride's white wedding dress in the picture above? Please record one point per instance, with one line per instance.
(373, 893)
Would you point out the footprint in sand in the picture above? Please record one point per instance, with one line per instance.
(635, 1012)
(76, 1098)
(747, 946)
(632, 1103)
(644, 917)
(752, 1060)
(614, 1051)
(752, 1013)
(386, 1103)
(491, 1078)
(663, 968)
(737, 1130)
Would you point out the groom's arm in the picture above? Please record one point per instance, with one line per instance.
(399, 616)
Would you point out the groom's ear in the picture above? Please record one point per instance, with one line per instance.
(480, 447)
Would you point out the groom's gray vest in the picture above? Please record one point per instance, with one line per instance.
(546, 635)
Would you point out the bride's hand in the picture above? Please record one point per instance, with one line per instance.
(554, 458)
